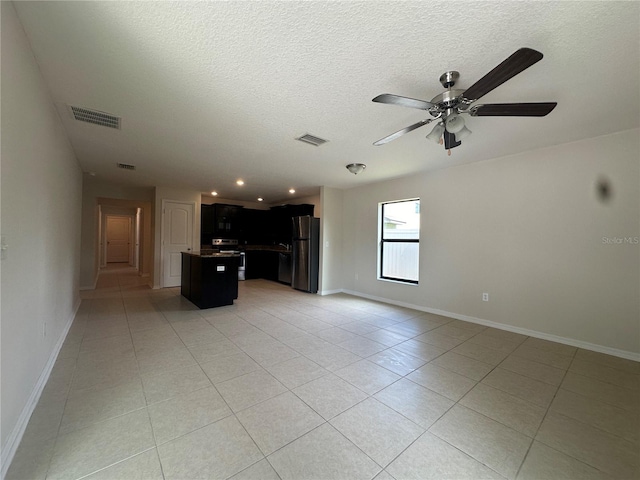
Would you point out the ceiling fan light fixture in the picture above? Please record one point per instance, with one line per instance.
(356, 168)
(454, 123)
(436, 133)
(463, 133)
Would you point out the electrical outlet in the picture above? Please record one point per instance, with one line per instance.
(44, 329)
(357, 276)
(485, 297)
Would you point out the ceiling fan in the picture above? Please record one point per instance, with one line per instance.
(447, 107)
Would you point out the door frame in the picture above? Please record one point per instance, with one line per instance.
(163, 203)
(132, 237)
(133, 233)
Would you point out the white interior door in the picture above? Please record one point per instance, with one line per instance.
(118, 239)
(177, 237)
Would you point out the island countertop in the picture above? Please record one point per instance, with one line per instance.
(209, 254)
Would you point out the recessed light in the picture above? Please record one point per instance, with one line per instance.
(291, 190)
(214, 193)
(240, 182)
(260, 199)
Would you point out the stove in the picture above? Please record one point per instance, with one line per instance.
(226, 245)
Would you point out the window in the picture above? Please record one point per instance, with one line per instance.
(399, 240)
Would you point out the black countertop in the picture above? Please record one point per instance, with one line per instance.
(206, 254)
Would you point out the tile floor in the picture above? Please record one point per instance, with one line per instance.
(288, 385)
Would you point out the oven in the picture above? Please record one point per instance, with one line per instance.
(225, 245)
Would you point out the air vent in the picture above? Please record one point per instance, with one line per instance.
(126, 167)
(312, 140)
(95, 117)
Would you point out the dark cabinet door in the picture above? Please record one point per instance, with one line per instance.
(206, 224)
(271, 260)
(226, 221)
(255, 226)
(281, 220)
(254, 264)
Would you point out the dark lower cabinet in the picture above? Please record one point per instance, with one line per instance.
(209, 281)
(262, 264)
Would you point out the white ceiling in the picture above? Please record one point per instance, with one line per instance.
(210, 92)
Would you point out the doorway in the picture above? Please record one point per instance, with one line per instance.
(177, 237)
(120, 239)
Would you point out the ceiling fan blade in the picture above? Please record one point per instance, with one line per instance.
(516, 63)
(403, 101)
(450, 141)
(512, 109)
(399, 133)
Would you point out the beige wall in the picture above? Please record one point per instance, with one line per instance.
(40, 209)
(314, 200)
(96, 191)
(528, 229)
(331, 240)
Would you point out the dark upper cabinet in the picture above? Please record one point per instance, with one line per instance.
(281, 220)
(206, 224)
(226, 220)
(220, 221)
(250, 226)
(254, 226)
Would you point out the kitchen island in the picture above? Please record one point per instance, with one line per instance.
(210, 279)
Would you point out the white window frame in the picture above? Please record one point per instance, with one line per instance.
(382, 241)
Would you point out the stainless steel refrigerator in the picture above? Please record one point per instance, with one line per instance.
(306, 253)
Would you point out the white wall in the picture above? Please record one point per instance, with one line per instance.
(93, 189)
(41, 193)
(178, 195)
(331, 244)
(528, 229)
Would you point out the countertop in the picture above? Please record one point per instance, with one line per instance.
(206, 254)
(250, 248)
(266, 248)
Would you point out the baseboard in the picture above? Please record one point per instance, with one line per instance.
(330, 292)
(13, 442)
(91, 287)
(501, 326)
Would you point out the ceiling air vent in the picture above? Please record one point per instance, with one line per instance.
(126, 167)
(312, 140)
(95, 117)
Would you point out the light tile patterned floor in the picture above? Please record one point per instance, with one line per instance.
(289, 385)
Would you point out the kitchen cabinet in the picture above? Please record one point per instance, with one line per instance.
(281, 220)
(262, 264)
(206, 224)
(254, 267)
(254, 227)
(227, 220)
(219, 220)
(209, 280)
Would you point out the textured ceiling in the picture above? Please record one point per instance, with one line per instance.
(210, 92)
